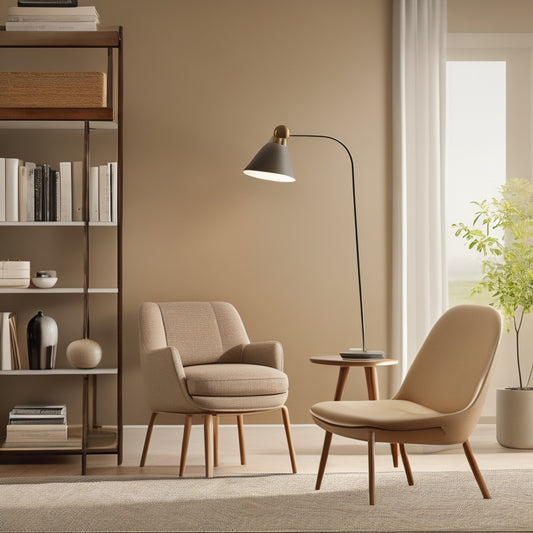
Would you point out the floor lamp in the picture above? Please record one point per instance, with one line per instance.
(273, 163)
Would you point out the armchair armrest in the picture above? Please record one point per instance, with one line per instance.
(164, 381)
(266, 353)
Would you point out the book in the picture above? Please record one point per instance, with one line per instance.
(47, 3)
(38, 193)
(104, 194)
(36, 432)
(55, 192)
(28, 420)
(45, 192)
(94, 215)
(113, 178)
(22, 193)
(5, 341)
(12, 187)
(77, 191)
(16, 362)
(51, 26)
(2, 189)
(30, 191)
(49, 409)
(65, 173)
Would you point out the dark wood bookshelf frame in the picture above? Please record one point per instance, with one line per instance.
(94, 440)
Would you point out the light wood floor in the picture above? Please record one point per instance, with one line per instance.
(266, 451)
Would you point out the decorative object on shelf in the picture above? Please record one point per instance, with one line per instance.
(53, 89)
(273, 163)
(84, 353)
(42, 339)
(44, 279)
(501, 230)
(15, 274)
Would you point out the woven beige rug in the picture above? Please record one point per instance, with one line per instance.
(447, 501)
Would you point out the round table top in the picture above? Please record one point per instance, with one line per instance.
(337, 360)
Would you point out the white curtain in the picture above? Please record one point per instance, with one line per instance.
(419, 88)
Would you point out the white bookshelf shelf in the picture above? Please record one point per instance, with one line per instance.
(67, 125)
(58, 290)
(50, 224)
(62, 372)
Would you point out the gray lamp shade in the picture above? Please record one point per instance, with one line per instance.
(272, 163)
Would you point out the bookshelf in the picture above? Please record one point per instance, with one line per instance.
(88, 436)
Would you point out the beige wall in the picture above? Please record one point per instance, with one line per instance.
(206, 81)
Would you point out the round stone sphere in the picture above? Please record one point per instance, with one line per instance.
(84, 353)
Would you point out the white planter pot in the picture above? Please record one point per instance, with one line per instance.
(514, 418)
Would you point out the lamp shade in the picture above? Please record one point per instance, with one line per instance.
(271, 163)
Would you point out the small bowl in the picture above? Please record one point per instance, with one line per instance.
(44, 283)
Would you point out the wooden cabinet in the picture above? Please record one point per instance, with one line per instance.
(89, 252)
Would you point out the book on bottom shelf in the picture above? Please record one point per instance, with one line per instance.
(31, 433)
(37, 425)
(9, 349)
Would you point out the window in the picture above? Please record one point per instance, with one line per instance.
(488, 117)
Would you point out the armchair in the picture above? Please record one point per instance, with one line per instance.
(197, 359)
(440, 399)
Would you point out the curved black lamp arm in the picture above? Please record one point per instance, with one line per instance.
(359, 284)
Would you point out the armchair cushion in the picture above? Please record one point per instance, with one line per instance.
(235, 380)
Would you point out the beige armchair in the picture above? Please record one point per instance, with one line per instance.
(440, 399)
(196, 359)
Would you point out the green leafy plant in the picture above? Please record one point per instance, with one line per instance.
(502, 230)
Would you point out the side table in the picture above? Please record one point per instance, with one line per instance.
(370, 366)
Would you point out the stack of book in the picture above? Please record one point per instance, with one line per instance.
(9, 349)
(39, 193)
(37, 426)
(83, 18)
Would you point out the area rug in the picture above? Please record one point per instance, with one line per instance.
(447, 501)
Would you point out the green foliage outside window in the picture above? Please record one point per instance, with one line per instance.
(502, 230)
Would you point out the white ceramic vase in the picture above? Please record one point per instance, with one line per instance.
(514, 418)
(84, 353)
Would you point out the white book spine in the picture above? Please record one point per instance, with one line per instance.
(12, 187)
(51, 26)
(30, 192)
(93, 194)
(5, 342)
(114, 190)
(22, 193)
(104, 194)
(77, 191)
(2, 189)
(65, 172)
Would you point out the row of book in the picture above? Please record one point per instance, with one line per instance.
(83, 18)
(37, 425)
(9, 349)
(39, 193)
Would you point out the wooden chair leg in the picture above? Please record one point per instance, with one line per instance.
(287, 424)
(208, 445)
(215, 440)
(240, 428)
(475, 469)
(394, 453)
(185, 443)
(406, 465)
(148, 438)
(323, 459)
(371, 467)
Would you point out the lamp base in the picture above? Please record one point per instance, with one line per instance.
(359, 353)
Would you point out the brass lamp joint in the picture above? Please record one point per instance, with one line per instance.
(281, 135)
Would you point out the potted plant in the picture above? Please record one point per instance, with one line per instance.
(502, 230)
